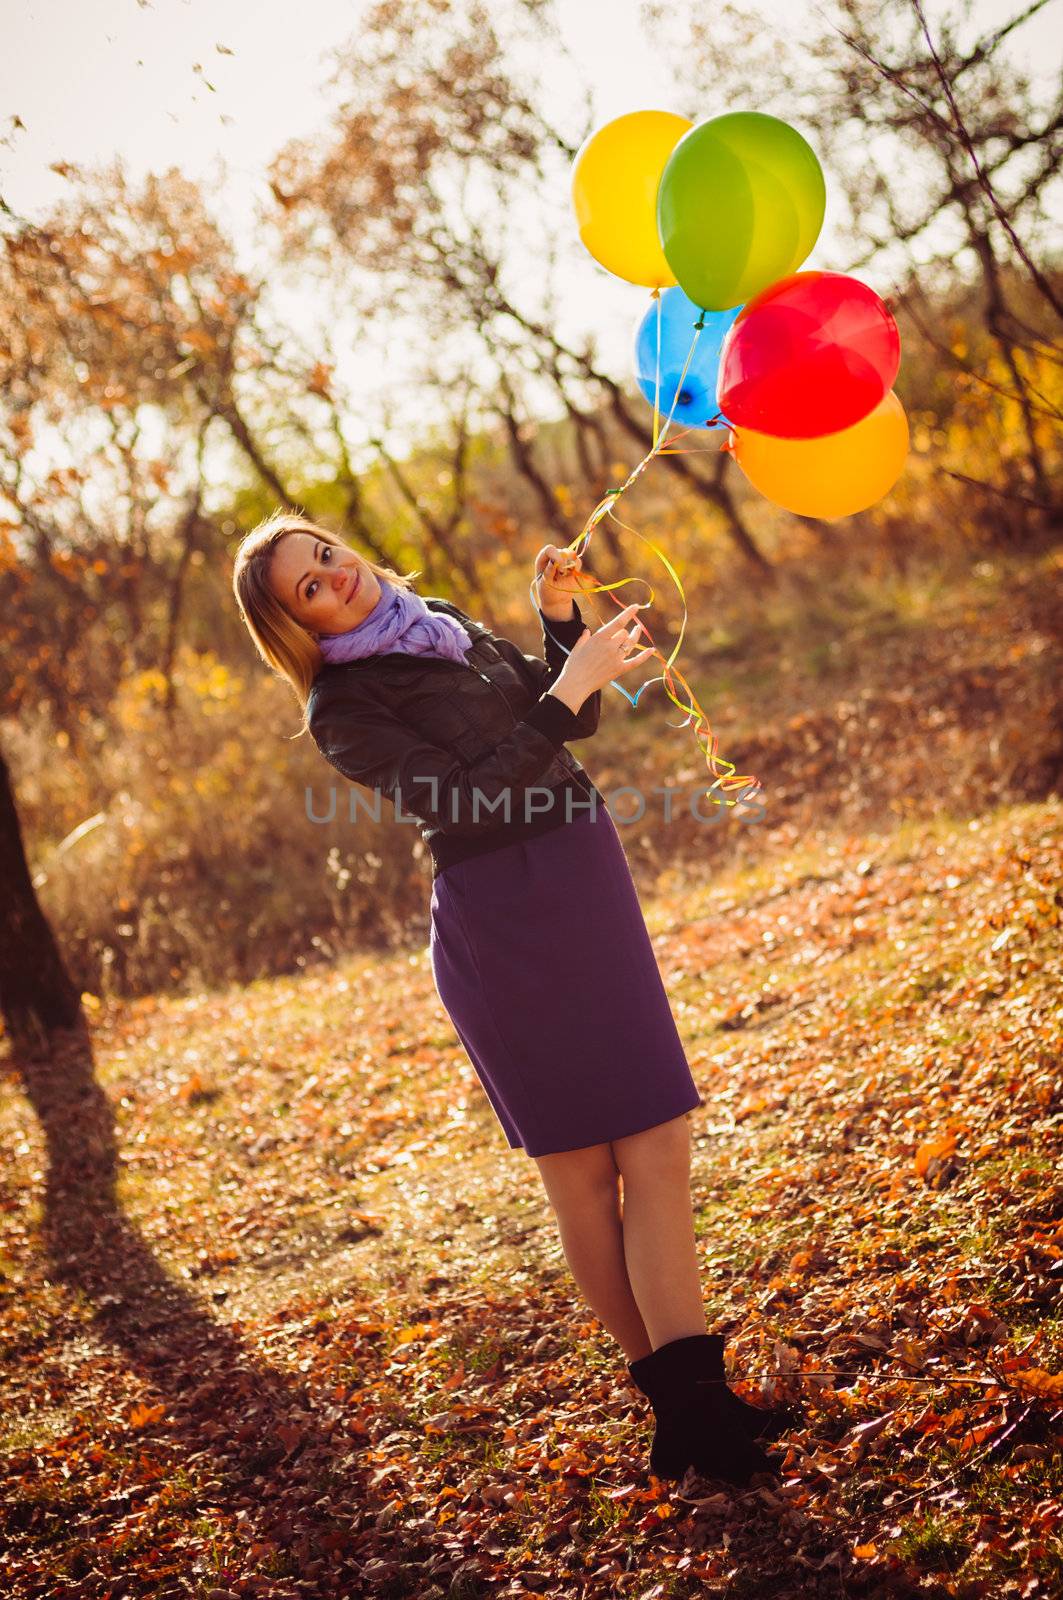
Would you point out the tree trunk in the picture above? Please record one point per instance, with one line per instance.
(188, 536)
(36, 994)
(996, 322)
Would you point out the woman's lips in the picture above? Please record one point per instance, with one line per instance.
(353, 589)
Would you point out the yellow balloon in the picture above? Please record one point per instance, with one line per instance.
(834, 475)
(614, 190)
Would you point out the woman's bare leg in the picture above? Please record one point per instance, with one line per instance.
(658, 1230)
(583, 1189)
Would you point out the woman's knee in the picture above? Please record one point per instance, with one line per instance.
(663, 1150)
(575, 1178)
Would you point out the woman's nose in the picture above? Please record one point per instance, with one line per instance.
(340, 578)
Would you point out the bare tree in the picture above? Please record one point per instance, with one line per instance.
(438, 137)
(948, 158)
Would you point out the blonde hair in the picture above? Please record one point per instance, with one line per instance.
(285, 644)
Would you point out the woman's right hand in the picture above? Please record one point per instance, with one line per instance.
(597, 658)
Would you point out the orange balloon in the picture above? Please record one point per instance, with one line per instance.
(834, 475)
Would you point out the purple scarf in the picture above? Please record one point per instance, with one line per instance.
(400, 620)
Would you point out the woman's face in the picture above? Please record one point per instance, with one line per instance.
(326, 587)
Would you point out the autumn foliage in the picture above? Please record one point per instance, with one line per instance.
(281, 1315)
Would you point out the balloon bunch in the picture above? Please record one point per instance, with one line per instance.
(716, 218)
(799, 366)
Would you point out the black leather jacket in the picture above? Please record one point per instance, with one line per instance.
(468, 748)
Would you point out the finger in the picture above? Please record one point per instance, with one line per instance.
(637, 655)
(621, 618)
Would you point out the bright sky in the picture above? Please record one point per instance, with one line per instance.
(96, 79)
(107, 77)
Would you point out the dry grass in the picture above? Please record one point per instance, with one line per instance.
(864, 698)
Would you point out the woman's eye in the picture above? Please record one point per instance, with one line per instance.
(311, 586)
(326, 554)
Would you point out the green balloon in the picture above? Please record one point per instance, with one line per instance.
(740, 204)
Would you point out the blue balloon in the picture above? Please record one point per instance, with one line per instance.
(696, 405)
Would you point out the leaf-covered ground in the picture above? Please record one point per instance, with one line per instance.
(283, 1315)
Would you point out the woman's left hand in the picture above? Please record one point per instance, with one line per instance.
(560, 580)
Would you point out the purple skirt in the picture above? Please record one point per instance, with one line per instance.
(542, 960)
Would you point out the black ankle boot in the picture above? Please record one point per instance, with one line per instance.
(760, 1422)
(670, 1451)
(695, 1426)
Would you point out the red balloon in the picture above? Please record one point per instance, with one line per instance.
(812, 354)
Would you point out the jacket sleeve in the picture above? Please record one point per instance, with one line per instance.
(364, 740)
(544, 673)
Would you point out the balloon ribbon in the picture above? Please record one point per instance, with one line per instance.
(724, 774)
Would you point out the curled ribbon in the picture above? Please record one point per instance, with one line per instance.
(724, 774)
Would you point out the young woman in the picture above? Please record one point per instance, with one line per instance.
(539, 951)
